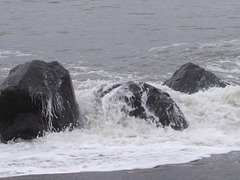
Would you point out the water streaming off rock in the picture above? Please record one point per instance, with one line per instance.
(103, 43)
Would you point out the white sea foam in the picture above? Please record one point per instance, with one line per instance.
(7, 53)
(113, 141)
(160, 48)
(136, 46)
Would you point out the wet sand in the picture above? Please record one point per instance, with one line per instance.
(217, 167)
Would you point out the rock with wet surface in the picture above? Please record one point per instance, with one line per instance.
(144, 101)
(191, 78)
(36, 97)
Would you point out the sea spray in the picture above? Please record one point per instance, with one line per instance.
(145, 41)
(106, 143)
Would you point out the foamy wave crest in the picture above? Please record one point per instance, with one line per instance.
(212, 115)
(7, 53)
(110, 137)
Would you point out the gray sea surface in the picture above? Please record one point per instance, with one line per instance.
(104, 42)
(146, 39)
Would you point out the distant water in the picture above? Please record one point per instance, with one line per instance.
(106, 42)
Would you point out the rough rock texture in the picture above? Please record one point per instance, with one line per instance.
(191, 78)
(36, 97)
(147, 102)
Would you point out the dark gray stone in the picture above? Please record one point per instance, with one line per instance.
(191, 78)
(149, 103)
(36, 97)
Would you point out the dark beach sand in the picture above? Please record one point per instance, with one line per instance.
(217, 167)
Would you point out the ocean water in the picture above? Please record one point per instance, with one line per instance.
(106, 42)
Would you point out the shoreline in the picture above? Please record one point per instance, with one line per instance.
(219, 166)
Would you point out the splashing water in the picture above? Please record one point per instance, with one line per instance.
(112, 141)
(107, 42)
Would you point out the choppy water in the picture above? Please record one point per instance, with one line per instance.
(106, 42)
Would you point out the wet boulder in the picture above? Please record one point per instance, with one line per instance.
(36, 97)
(144, 101)
(191, 78)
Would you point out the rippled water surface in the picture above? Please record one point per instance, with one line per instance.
(106, 42)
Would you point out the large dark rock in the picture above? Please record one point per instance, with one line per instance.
(147, 102)
(35, 98)
(191, 78)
